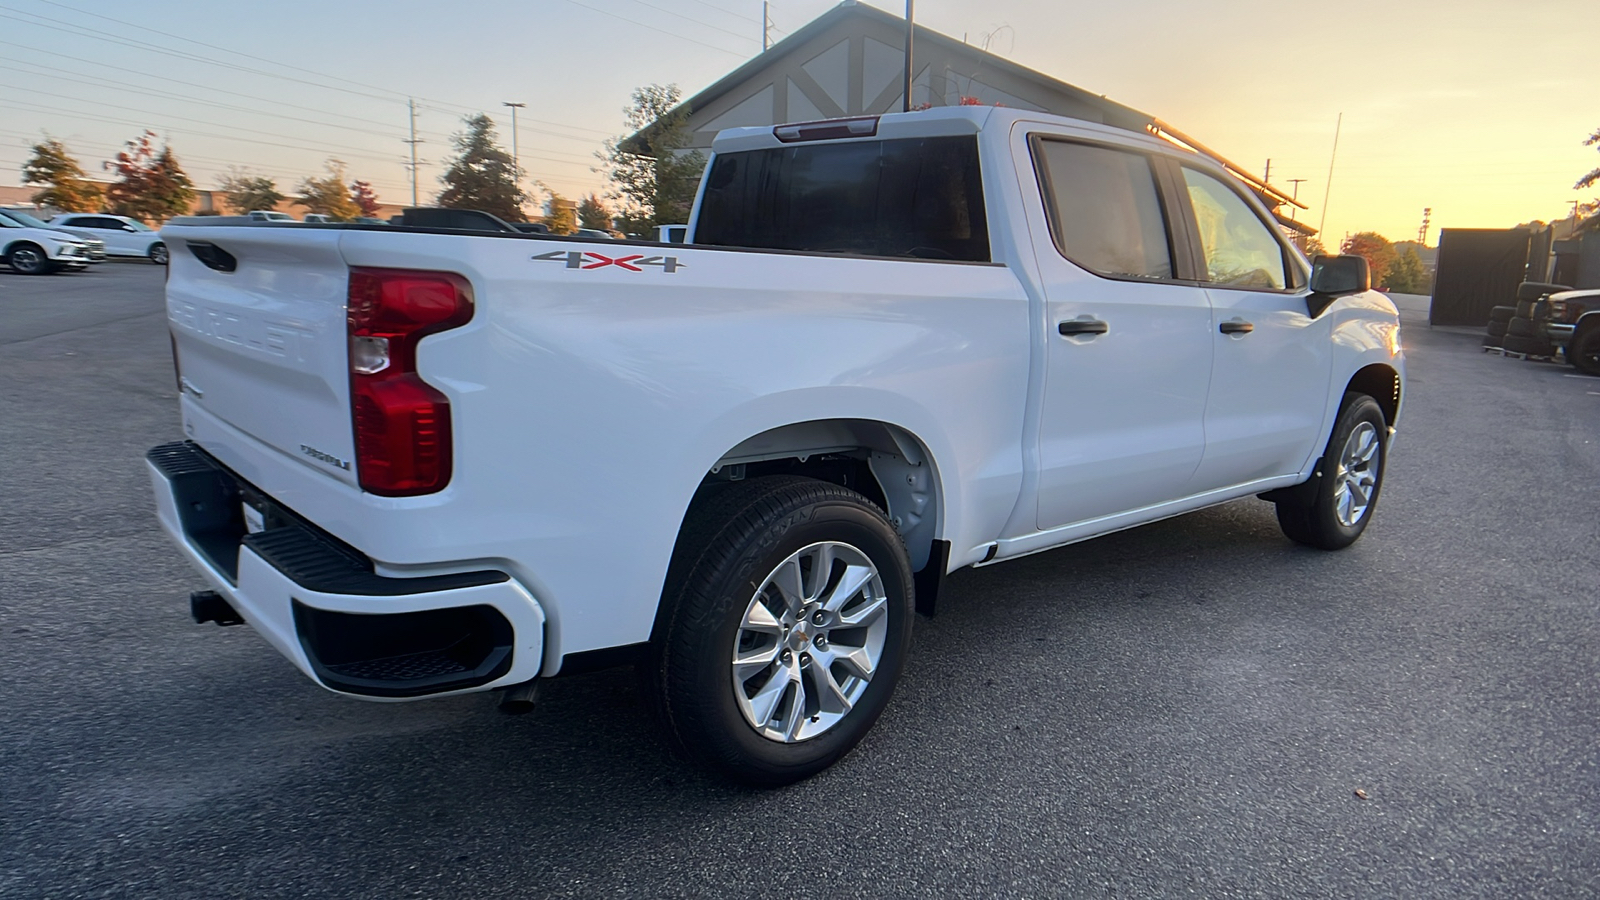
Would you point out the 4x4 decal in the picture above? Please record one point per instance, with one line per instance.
(588, 259)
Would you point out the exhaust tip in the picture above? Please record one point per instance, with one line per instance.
(209, 606)
(519, 698)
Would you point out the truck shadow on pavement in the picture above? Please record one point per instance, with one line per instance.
(584, 791)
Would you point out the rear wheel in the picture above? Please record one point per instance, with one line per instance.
(158, 253)
(1332, 513)
(28, 259)
(784, 628)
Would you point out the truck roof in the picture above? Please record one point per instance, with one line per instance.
(939, 121)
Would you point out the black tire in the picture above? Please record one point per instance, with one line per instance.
(29, 259)
(1497, 329)
(158, 253)
(1524, 309)
(1502, 313)
(1491, 340)
(1532, 346)
(1310, 514)
(1583, 351)
(1533, 290)
(732, 542)
(1521, 327)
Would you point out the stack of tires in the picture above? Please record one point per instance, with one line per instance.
(1525, 333)
(1499, 321)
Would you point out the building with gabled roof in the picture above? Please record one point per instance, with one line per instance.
(850, 61)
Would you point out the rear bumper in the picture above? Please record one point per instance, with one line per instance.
(321, 605)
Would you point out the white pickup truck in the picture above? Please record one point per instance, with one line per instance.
(423, 462)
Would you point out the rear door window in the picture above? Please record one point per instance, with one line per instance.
(915, 197)
(1105, 211)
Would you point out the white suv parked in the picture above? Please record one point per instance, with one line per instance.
(123, 236)
(30, 250)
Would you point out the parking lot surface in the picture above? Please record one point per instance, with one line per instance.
(1193, 708)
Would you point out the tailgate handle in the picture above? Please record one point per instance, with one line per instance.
(213, 256)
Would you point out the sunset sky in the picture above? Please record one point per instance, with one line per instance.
(1476, 109)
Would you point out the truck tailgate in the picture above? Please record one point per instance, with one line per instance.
(262, 348)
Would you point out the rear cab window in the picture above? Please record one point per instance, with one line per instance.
(919, 198)
(1104, 209)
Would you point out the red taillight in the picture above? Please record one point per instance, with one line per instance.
(402, 423)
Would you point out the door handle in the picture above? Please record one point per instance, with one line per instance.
(1236, 328)
(1073, 327)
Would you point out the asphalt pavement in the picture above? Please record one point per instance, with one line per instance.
(1196, 708)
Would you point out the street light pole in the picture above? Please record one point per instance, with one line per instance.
(514, 164)
(905, 105)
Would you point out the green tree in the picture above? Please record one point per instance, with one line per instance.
(1379, 253)
(561, 215)
(150, 185)
(482, 176)
(1409, 275)
(654, 178)
(592, 213)
(248, 192)
(328, 195)
(66, 187)
(1591, 179)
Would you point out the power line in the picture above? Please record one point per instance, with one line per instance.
(28, 107)
(326, 147)
(661, 30)
(728, 12)
(679, 14)
(191, 85)
(169, 95)
(81, 31)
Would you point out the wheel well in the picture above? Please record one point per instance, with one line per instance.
(886, 464)
(1382, 384)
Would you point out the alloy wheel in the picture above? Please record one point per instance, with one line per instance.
(26, 260)
(809, 642)
(1357, 477)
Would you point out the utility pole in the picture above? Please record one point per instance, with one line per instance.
(1267, 178)
(516, 167)
(1296, 196)
(766, 26)
(1422, 233)
(910, 12)
(1329, 188)
(414, 141)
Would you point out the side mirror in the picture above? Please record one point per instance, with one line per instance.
(127, 228)
(1333, 277)
(1340, 275)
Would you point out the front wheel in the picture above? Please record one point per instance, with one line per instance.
(158, 253)
(27, 259)
(1332, 513)
(786, 622)
(1584, 350)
